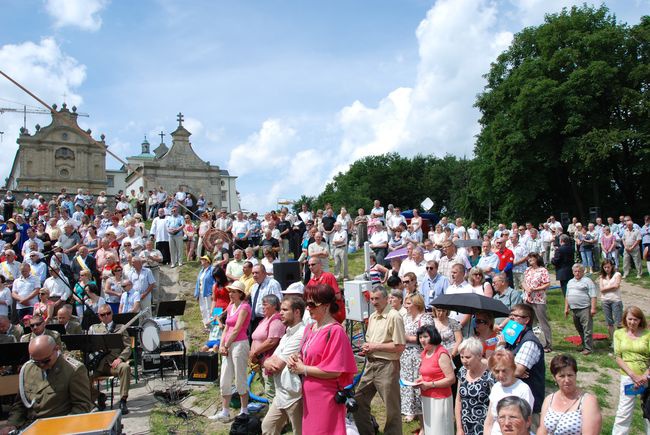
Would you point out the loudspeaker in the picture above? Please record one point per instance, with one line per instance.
(286, 273)
(203, 368)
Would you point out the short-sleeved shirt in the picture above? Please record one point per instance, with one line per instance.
(580, 292)
(518, 389)
(386, 327)
(269, 327)
(635, 352)
(128, 300)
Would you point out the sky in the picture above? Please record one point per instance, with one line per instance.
(283, 94)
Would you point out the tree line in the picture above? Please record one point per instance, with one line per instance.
(565, 126)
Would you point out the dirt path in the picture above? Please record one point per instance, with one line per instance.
(636, 295)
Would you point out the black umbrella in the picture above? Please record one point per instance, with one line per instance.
(471, 303)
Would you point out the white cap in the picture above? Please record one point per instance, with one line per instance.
(297, 288)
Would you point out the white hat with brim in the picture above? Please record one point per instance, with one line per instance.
(297, 288)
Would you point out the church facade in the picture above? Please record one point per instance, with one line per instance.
(62, 155)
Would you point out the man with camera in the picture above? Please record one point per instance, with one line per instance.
(385, 341)
(287, 404)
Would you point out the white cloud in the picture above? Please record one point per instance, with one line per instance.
(46, 71)
(457, 41)
(266, 150)
(76, 13)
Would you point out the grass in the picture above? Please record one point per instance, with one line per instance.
(599, 369)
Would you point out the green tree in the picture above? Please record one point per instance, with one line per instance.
(565, 120)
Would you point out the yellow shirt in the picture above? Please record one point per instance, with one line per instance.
(248, 282)
(386, 327)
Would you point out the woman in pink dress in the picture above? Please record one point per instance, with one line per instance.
(326, 363)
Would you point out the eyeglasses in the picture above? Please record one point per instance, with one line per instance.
(312, 304)
(105, 314)
(44, 362)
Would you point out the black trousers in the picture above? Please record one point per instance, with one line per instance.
(163, 247)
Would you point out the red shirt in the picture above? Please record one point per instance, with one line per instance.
(430, 371)
(329, 279)
(506, 256)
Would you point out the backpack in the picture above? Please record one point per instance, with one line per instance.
(245, 424)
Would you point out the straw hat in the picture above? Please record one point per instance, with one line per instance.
(238, 285)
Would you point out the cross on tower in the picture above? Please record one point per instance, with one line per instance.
(179, 117)
(162, 135)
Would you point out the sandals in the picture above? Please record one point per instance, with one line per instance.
(548, 349)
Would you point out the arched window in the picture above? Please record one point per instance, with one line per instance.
(64, 153)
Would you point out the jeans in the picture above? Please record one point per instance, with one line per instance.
(587, 259)
(613, 311)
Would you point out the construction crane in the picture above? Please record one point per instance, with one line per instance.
(25, 111)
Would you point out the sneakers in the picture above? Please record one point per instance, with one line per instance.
(223, 415)
(123, 407)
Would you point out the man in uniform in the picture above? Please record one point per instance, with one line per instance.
(9, 333)
(115, 363)
(64, 316)
(37, 325)
(54, 385)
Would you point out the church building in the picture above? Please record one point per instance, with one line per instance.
(62, 155)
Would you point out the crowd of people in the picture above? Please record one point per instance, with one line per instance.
(87, 258)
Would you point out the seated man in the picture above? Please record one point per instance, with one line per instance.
(9, 333)
(64, 316)
(115, 362)
(37, 325)
(54, 385)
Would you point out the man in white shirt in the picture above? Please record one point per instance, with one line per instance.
(287, 404)
(174, 225)
(430, 252)
(25, 291)
(547, 240)
(137, 243)
(143, 282)
(520, 263)
(534, 243)
(415, 264)
(27, 246)
(159, 233)
(377, 211)
(240, 231)
(458, 285)
(451, 257)
(340, 251)
(10, 268)
(130, 299)
(379, 242)
(460, 231)
(58, 286)
(305, 214)
(394, 221)
(223, 222)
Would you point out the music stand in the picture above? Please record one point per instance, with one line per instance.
(171, 309)
(123, 318)
(14, 354)
(56, 327)
(88, 343)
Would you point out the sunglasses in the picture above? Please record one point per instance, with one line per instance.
(430, 267)
(312, 304)
(35, 325)
(481, 322)
(104, 314)
(312, 264)
(406, 281)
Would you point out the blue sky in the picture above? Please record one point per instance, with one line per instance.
(283, 94)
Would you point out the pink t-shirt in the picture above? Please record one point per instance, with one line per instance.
(231, 320)
(270, 327)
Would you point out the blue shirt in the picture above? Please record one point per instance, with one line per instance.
(432, 288)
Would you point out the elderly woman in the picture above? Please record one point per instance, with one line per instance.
(632, 350)
(581, 301)
(410, 359)
(484, 329)
(475, 383)
(265, 339)
(569, 411)
(203, 290)
(535, 283)
(502, 365)
(234, 349)
(435, 381)
(514, 416)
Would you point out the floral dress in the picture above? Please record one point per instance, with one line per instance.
(447, 333)
(474, 400)
(410, 364)
(536, 277)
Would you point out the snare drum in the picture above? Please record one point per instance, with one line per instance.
(150, 332)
